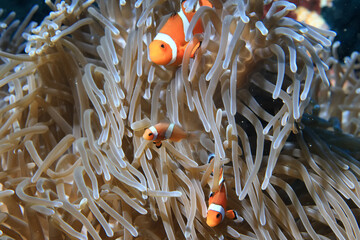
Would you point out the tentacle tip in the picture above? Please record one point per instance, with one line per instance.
(245, 19)
(96, 195)
(262, 221)
(58, 204)
(292, 6)
(33, 179)
(187, 232)
(242, 195)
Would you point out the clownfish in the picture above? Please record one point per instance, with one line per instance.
(169, 44)
(217, 203)
(163, 131)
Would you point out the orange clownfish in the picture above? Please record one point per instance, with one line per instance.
(163, 131)
(169, 44)
(217, 203)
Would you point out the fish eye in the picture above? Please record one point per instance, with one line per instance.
(218, 215)
(162, 46)
(150, 134)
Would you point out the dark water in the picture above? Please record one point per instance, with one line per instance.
(22, 7)
(343, 17)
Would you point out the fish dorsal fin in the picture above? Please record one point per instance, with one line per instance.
(197, 5)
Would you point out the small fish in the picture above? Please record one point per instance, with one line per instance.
(163, 131)
(168, 46)
(217, 203)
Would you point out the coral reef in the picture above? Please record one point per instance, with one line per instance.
(267, 93)
(307, 11)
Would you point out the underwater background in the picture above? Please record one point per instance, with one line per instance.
(22, 8)
(306, 132)
(341, 16)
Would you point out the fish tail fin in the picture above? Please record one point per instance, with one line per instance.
(158, 144)
(210, 157)
(194, 137)
(221, 177)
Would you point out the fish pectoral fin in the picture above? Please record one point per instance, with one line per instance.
(233, 215)
(195, 49)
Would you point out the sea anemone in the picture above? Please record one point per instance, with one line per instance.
(257, 94)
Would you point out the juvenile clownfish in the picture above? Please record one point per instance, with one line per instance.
(169, 44)
(163, 131)
(217, 203)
